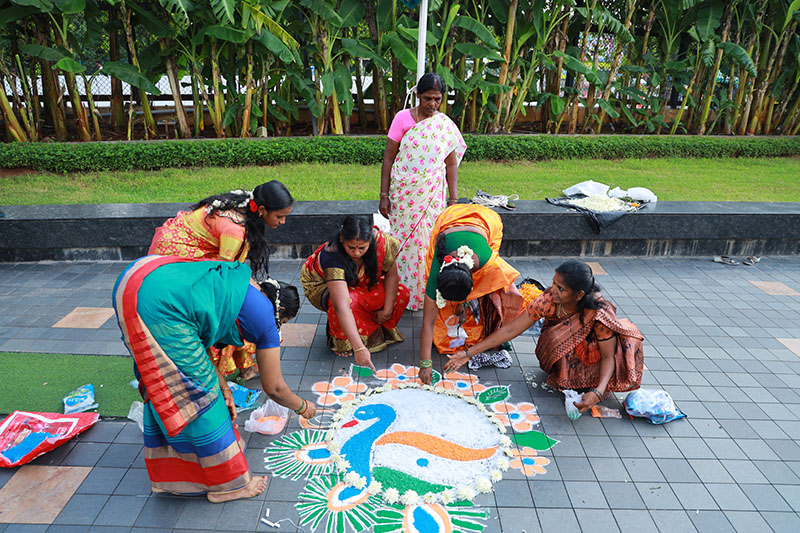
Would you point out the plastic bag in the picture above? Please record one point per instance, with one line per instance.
(586, 188)
(136, 413)
(268, 419)
(80, 400)
(243, 397)
(24, 435)
(570, 398)
(643, 194)
(654, 405)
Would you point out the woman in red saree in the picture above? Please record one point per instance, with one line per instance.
(583, 345)
(353, 278)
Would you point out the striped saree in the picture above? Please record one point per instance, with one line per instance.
(170, 311)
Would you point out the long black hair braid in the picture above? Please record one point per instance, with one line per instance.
(356, 227)
(273, 196)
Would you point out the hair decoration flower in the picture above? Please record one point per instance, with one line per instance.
(248, 197)
(252, 205)
(464, 255)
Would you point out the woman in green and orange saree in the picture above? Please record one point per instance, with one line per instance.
(170, 310)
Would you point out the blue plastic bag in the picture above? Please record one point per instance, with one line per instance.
(243, 397)
(654, 405)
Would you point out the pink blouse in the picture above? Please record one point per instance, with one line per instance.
(402, 122)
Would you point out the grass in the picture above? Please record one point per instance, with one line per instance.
(42, 380)
(748, 180)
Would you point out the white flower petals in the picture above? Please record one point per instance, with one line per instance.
(410, 497)
(391, 495)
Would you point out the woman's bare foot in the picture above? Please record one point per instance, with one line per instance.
(256, 486)
(344, 354)
(249, 373)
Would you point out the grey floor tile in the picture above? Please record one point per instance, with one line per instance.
(634, 521)
(81, 509)
(518, 519)
(630, 447)
(644, 470)
(744, 471)
(609, 469)
(710, 471)
(662, 448)
(549, 494)
(120, 455)
(586, 494)
(85, 454)
(782, 522)
(101, 480)
(725, 449)
(240, 515)
(198, 514)
(658, 495)
(596, 520)
(121, 511)
(161, 511)
(778, 472)
(767, 497)
(677, 471)
(730, 497)
(135, 482)
(103, 431)
(711, 522)
(575, 468)
(694, 496)
(622, 495)
(558, 520)
(515, 493)
(791, 493)
(747, 521)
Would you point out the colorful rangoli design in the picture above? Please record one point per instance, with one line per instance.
(402, 456)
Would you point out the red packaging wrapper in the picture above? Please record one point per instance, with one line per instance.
(25, 435)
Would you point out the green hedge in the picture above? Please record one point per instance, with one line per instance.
(76, 157)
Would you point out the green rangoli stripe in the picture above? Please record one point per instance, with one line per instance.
(403, 482)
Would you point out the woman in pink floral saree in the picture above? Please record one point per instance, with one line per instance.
(419, 178)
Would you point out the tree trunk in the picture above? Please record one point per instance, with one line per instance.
(713, 82)
(612, 75)
(378, 83)
(362, 111)
(13, 127)
(175, 87)
(500, 98)
(117, 98)
(149, 120)
(50, 87)
(219, 102)
(248, 96)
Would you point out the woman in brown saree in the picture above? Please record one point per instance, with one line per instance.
(583, 345)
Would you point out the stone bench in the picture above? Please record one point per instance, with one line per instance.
(535, 228)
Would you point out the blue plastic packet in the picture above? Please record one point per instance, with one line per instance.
(80, 400)
(654, 405)
(243, 397)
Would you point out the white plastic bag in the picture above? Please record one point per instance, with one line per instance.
(643, 194)
(136, 413)
(80, 400)
(587, 188)
(570, 398)
(380, 221)
(268, 419)
(654, 405)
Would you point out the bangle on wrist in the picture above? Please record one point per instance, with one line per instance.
(466, 351)
(302, 407)
(362, 348)
(384, 195)
(426, 363)
(599, 394)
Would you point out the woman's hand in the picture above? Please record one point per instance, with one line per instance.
(456, 361)
(426, 375)
(227, 395)
(385, 207)
(363, 357)
(382, 316)
(588, 400)
(310, 411)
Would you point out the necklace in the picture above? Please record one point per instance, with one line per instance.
(560, 311)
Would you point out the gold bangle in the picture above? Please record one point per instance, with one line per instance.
(362, 348)
(384, 195)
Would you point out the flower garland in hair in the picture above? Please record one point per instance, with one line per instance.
(275, 283)
(464, 255)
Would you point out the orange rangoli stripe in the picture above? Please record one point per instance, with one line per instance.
(436, 446)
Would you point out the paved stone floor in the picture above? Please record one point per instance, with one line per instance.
(724, 341)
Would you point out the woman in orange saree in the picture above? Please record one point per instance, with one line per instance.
(470, 289)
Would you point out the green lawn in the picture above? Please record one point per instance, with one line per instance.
(38, 382)
(768, 179)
